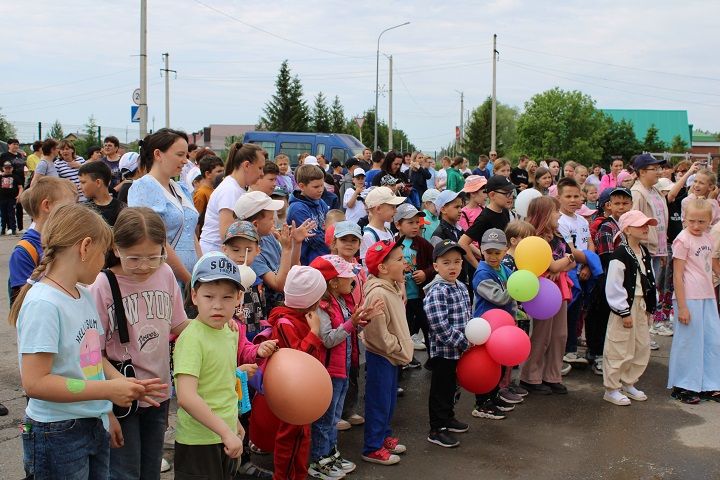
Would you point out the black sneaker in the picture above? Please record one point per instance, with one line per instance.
(536, 388)
(711, 395)
(3, 410)
(455, 426)
(400, 391)
(443, 438)
(250, 470)
(414, 363)
(502, 405)
(685, 396)
(488, 410)
(558, 388)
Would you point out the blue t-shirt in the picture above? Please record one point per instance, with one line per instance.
(411, 288)
(50, 321)
(369, 176)
(21, 263)
(268, 260)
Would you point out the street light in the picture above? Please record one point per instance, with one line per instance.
(377, 77)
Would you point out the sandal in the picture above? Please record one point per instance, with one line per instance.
(685, 396)
(711, 395)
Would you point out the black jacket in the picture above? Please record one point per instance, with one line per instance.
(621, 281)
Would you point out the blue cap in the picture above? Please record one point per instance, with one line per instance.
(445, 197)
(215, 266)
(347, 227)
(242, 229)
(645, 160)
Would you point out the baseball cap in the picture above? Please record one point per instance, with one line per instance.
(499, 183)
(347, 227)
(255, 202)
(622, 176)
(310, 160)
(664, 184)
(634, 218)
(473, 183)
(388, 180)
(430, 195)
(645, 160)
(406, 211)
(358, 172)
(215, 266)
(7, 164)
(304, 287)
(493, 238)
(444, 247)
(376, 253)
(242, 229)
(129, 161)
(620, 191)
(279, 191)
(333, 266)
(584, 211)
(381, 195)
(445, 197)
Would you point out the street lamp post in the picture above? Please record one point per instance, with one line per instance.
(377, 78)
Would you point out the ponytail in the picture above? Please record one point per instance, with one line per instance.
(240, 153)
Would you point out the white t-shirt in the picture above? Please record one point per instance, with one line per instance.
(575, 230)
(355, 213)
(369, 238)
(223, 197)
(441, 179)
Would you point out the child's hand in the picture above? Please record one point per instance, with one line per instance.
(419, 276)
(233, 443)
(627, 322)
(116, 436)
(233, 325)
(153, 389)
(249, 368)
(284, 237)
(267, 348)
(299, 234)
(313, 320)
(122, 391)
(684, 315)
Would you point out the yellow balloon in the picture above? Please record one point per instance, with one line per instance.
(534, 254)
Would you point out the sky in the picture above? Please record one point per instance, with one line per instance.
(72, 59)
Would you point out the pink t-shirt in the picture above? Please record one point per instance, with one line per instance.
(153, 308)
(468, 216)
(697, 253)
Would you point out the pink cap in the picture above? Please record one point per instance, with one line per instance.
(304, 287)
(586, 211)
(634, 218)
(622, 176)
(333, 266)
(473, 183)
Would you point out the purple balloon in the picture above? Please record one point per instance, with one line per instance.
(546, 303)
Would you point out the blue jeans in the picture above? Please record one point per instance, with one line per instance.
(324, 430)
(77, 449)
(381, 381)
(141, 454)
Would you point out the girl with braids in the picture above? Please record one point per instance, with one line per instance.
(69, 385)
(154, 311)
(163, 155)
(244, 166)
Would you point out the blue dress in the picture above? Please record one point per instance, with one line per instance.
(178, 214)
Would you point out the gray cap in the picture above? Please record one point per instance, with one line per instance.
(493, 238)
(215, 266)
(406, 211)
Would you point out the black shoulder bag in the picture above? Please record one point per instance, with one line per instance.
(124, 366)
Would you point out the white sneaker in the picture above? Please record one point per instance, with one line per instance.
(573, 357)
(164, 466)
(418, 344)
(654, 329)
(565, 369)
(631, 392)
(343, 425)
(597, 367)
(615, 397)
(654, 345)
(664, 331)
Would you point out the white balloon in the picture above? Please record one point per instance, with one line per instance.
(477, 331)
(247, 276)
(522, 202)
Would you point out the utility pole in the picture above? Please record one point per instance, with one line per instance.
(390, 124)
(166, 71)
(493, 121)
(377, 79)
(462, 122)
(142, 110)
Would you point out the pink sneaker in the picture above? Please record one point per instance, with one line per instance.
(393, 445)
(381, 456)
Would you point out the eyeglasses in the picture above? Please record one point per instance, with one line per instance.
(650, 169)
(133, 263)
(681, 172)
(507, 194)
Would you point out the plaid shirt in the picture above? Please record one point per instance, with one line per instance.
(605, 244)
(447, 306)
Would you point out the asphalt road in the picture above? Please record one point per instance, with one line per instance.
(555, 437)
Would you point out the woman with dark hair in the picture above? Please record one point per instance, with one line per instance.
(553, 164)
(390, 166)
(67, 165)
(163, 155)
(595, 177)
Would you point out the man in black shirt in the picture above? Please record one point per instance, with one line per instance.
(94, 180)
(519, 174)
(17, 157)
(496, 215)
(9, 191)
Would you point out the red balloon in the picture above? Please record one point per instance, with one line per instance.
(297, 386)
(508, 346)
(477, 372)
(263, 424)
(498, 318)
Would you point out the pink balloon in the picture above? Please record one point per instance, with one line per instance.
(508, 346)
(547, 303)
(498, 318)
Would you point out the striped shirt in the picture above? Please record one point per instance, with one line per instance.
(67, 172)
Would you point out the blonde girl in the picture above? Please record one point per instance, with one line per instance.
(153, 310)
(69, 385)
(694, 370)
(541, 372)
(502, 167)
(704, 186)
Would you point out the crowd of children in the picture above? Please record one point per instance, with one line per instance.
(96, 304)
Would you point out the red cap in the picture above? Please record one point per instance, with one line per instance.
(333, 266)
(329, 234)
(376, 253)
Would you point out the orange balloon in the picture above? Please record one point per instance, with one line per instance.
(534, 254)
(297, 387)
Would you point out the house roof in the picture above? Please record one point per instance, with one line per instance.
(668, 122)
(704, 137)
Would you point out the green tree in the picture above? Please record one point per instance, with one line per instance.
(477, 130)
(652, 142)
(287, 110)
(56, 131)
(620, 140)
(678, 145)
(89, 139)
(320, 121)
(7, 129)
(337, 117)
(562, 124)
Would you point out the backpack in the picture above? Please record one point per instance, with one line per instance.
(30, 249)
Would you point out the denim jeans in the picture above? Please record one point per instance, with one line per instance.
(381, 382)
(324, 430)
(77, 449)
(141, 454)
